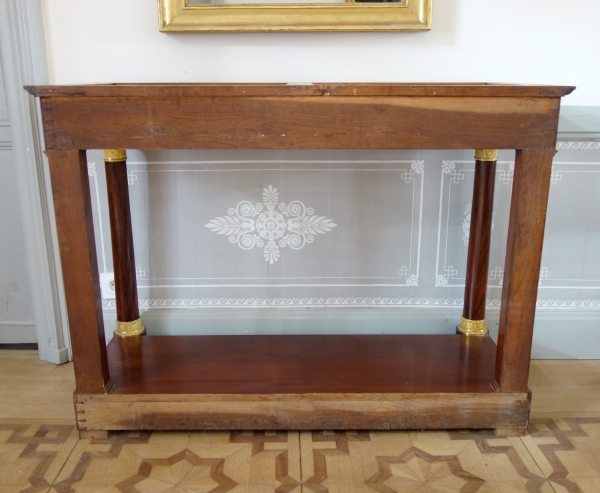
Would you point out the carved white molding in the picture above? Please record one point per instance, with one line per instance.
(339, 301)
(295, 302)
(568, 176)
(569, 179)
(452, 183)
(93, 174)
(411, 175)
(581, 146)
(292, 225)
(24, 63)
(5, 135)
(454, 173)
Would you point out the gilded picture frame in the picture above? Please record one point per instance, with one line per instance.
(181, 16)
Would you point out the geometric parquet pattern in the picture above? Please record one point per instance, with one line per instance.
(40, 450)
(560, 453)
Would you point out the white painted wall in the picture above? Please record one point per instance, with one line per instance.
(533, 41)
(16, 312)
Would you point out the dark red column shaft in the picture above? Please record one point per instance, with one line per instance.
(480, 234)
(122, 241)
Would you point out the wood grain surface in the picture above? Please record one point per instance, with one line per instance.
(531, 184)
(302, 122)
(40, 446)
(302, 412)
(300, 364)
(350, 381)
(121, 234)
(316, 89)
(480, 236)
(75, 230)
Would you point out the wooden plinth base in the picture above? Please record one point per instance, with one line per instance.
(302, 382)
(301, 412)
(93, 434)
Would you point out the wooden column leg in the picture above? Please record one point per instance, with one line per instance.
(129, 322)
(480, 235)
(72, 207)
(522, 267)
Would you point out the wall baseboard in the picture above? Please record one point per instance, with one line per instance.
(17, 332)
(559, 334)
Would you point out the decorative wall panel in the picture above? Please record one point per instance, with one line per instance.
(16, 313)
(339, 228)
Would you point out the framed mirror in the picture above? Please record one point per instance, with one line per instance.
(184, 16)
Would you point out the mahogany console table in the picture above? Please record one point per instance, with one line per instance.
(301, 381)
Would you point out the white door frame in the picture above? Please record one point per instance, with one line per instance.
(24, 62)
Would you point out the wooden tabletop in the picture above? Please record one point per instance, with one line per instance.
(316, 89)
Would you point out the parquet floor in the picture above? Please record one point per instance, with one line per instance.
(40, 450)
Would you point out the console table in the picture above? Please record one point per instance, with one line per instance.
(300, 381)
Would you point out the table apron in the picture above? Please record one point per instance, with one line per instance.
(300, 123)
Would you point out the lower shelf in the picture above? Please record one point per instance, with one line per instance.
(299, 364)
(302, 382)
